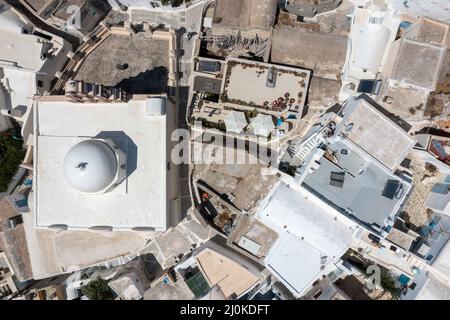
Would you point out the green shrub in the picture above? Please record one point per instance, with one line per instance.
(97, 290)
(173, 3)
(11, 156)
(390, 284)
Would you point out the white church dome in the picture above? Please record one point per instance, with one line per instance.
(90, 166)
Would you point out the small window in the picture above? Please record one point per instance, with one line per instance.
(317, 294)
(40, 83)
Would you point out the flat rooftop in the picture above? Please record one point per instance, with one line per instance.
(15, 46)
(323, 92)
(439, 198)
(228, 275)
(12, 240)
(139, 201)
(247, 81)
(434, 31)
(401, 238)
(242, 181)
(244, 14)
(53, 252)
(363, 184)
(207, 84)
(257, 232)
(312, 236)
(405, 100)
(297, 46)
(24, 84)
(375, 133)
(434, 289)
(147, 60)
(442, 262)
(169, 291)
(418, 64)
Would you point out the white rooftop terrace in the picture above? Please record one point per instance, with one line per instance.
(433, 289)
(437, 9)
(373, 132)
(15, 53)
(21, 87)
(372, 32)
(364, 184)
(29, 60)
(16, 45)
(140, 200)
(442, 262)
(313, 236)
(439, 198)
(53, 252)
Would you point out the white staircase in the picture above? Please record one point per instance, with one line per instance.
(302, 149)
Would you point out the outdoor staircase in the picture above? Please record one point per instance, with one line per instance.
(302, 149)
(89, 44)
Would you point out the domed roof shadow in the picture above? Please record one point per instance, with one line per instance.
(125, 144)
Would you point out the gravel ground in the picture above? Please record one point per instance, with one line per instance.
(423, 181)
